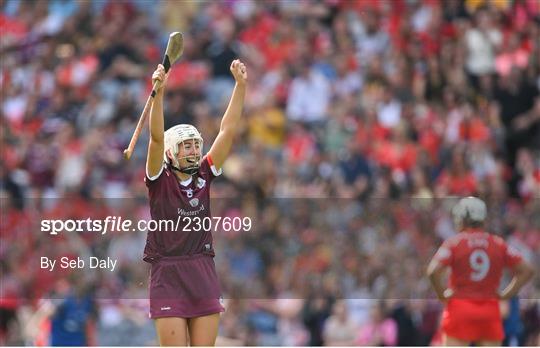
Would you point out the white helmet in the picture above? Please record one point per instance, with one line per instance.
(176, 135)
(470, 208)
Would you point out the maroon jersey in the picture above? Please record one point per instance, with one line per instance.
(180, 202)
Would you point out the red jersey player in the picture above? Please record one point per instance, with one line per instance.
(476, 260)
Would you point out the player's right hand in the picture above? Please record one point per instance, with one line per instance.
(159, 75)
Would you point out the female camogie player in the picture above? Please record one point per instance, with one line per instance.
(184, 287)
(476, 259)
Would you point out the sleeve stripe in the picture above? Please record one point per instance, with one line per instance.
(213, 167)
(155, 176)
(215, 171)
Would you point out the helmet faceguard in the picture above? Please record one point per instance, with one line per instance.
(187, 138)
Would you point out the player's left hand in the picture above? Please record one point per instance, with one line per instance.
(239, 71)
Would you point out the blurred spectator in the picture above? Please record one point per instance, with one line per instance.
(339, 329)
(513, 326)
(309, 95)
(519, 112)
(71, 315)
(315, 313)
(380, 330)
(482, 39)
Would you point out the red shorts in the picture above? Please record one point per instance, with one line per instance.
(473, 320)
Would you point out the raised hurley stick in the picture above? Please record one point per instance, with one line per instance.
(175, 48)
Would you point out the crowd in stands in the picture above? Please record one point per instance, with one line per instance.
(363, 119)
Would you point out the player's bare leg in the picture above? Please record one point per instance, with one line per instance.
(489, 343)
(172, 331)
(450, 341)
(203, 330)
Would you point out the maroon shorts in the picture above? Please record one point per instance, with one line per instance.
(185, 287)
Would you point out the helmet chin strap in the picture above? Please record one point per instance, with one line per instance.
(188, 170)
(191, 170)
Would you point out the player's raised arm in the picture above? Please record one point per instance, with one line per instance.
(229, 123)
(154, 159)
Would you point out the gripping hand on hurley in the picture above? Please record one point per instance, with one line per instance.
(159, 78)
